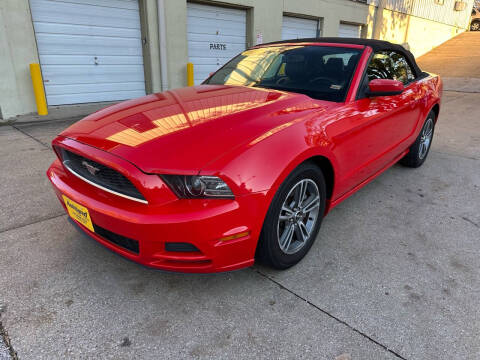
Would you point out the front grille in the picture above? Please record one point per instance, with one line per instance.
(122, 241)
(100, 175)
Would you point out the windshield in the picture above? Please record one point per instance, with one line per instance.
(321, 72)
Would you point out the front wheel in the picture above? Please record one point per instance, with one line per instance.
(294, 217)
(475, 26)
(419, 150)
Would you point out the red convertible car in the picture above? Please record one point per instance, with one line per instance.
(246, 165)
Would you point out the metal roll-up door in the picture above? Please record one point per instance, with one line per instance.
(215, 35)
(90, 51)
(298, 28)
(350, 31)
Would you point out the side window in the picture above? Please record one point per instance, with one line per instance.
(402, 71)
(390, 65)
(380, 67)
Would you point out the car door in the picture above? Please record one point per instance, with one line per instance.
(377, 128)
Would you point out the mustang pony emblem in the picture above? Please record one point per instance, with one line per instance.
(91, 169)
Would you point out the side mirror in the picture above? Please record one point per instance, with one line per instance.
(384, 87)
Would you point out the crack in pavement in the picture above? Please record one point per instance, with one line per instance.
(30, 136)
(15, 227)
(470, 221)
(369, 338)
(462, 91)
(453, 154)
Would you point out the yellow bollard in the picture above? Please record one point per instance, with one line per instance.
(38, 89)
(190, 81)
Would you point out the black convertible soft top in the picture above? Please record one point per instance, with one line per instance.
(376, 45)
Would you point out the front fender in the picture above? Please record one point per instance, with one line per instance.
(263, 164)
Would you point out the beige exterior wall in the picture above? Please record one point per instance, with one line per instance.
(419, 34)
(18, 47)
(420, 45)
(17, 50)
(151, 24)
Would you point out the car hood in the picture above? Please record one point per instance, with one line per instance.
(180, 131)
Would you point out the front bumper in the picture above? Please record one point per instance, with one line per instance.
(203, 223)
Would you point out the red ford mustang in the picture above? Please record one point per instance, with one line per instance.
(206, 178)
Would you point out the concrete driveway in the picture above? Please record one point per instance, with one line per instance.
(394, 274)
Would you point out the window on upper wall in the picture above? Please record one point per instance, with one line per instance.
(390, 65)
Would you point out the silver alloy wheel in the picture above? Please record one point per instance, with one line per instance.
(475, 26)
(425, 139)
(298, 216)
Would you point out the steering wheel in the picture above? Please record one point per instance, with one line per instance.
(322, 80)
(281, 81)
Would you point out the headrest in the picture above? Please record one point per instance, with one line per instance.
(334, 65)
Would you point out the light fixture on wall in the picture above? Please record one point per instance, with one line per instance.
(439, 2)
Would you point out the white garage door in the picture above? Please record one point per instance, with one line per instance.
(90, 50)
(298, 28)
(215, 35)
(350, 31)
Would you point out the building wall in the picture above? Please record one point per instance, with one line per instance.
(17, 50)
(429, 9)
(384, 19)
(264, 17)
(407, 22)
(151, 25)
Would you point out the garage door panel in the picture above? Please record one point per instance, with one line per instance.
(50, 28)
(210, 61)
(89, 50)
(99, 87)
(217, 54)
(202, 73)
(298, 23)
(298, 28)
(205, 26)
(87, 45)
(203, 68)
(89, 60)
(90, 74)
(221, 18)
(96, 97)
(215, 35)
(79, 14)
(350, 31)
(212, 39)
(120, 4)
(213, 12)
(231, 51)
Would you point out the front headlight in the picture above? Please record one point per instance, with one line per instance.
(192, 186)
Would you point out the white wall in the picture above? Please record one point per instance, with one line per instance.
(17, 50)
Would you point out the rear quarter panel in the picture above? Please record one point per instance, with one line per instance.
(433, 86)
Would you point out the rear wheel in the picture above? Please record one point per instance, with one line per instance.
(294, 217)
(475, 26)
(421, 147)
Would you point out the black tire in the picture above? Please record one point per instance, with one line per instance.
(269, 249)
(475, 26)
(417, 153)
